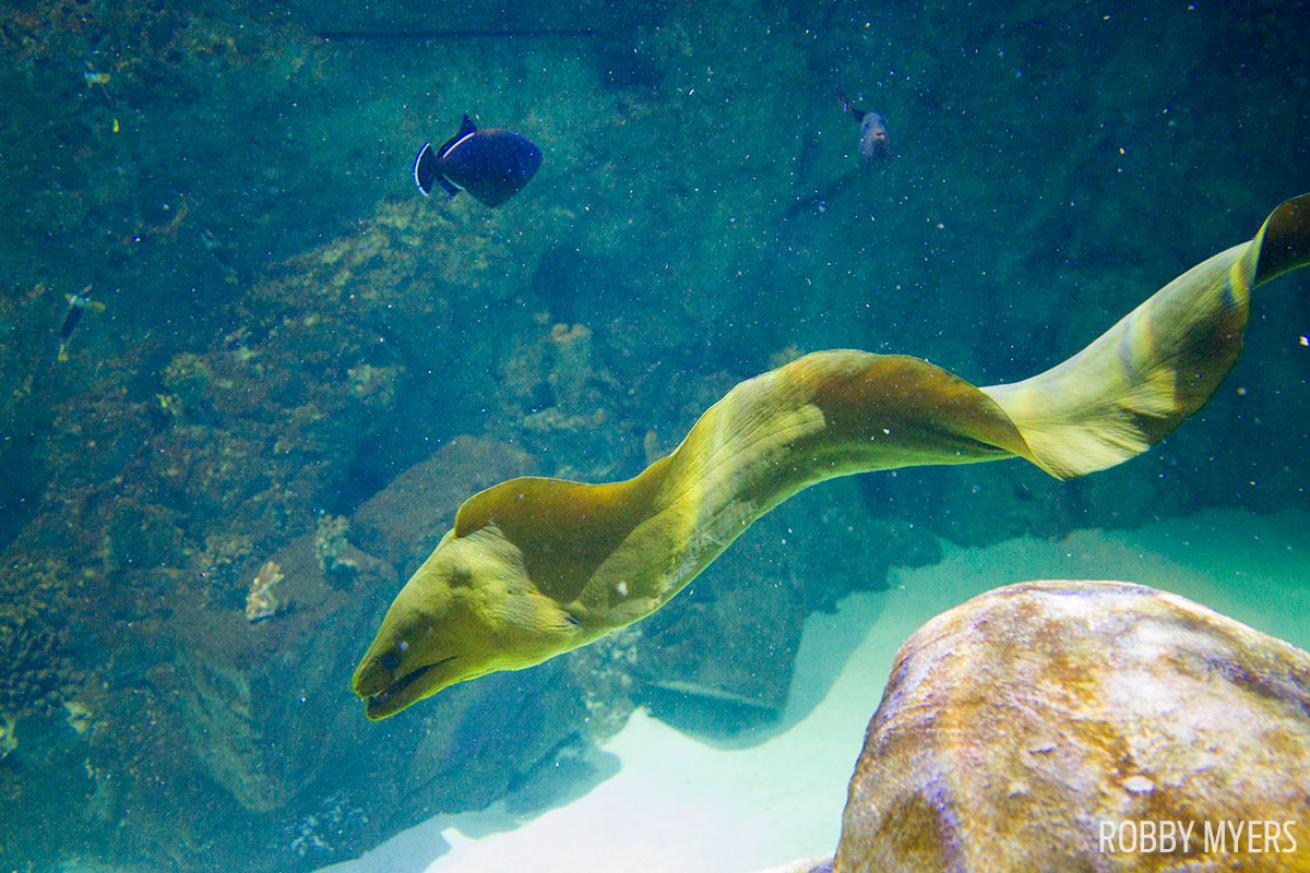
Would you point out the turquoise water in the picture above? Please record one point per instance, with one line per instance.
(291, 356)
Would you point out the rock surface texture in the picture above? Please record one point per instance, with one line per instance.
(1038, 726)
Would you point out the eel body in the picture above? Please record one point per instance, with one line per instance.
(535, 567)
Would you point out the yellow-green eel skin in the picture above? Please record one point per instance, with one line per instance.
(535, 567)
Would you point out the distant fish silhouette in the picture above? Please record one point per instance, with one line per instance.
(77, 304)
(493, 165)
(874, 143)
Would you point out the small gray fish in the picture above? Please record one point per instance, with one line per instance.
(77, 304)
(874, 142)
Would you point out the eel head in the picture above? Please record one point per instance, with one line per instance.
(471, 609)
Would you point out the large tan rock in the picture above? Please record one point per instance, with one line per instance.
(1021, 729)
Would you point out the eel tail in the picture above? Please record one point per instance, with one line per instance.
(1137, 382)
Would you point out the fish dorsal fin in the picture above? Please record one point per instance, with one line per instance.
(563, 529)
(466, 129)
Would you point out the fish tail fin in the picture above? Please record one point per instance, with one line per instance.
(62, 354)
(425, 169)
(1139, 380)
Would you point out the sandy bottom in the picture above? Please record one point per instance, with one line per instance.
(681, 806)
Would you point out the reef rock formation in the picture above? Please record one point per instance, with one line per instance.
(1025, 729)
(264, 709)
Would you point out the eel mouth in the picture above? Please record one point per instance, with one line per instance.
(393, 698)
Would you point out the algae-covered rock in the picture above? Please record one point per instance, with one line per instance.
(1021, 730)
(407, 518)
(269, 717)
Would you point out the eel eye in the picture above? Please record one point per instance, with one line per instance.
(390, 661)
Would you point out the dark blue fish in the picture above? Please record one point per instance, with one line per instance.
(493, 165)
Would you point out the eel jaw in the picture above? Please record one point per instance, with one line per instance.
(401, 692)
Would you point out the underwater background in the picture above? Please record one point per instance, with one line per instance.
(297, 367)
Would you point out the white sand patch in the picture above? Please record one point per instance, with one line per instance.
(677, 804)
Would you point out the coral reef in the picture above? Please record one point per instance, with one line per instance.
(604, 672)
(560, 395)
(79, 718)
(333, 550)
(314, 834)
(227, 456)
(34, 641)
(262, 601)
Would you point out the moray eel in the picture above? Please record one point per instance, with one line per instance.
(535, 567)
